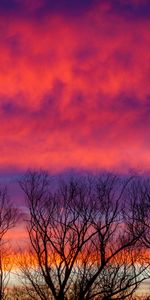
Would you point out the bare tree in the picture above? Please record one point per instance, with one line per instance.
(8, 217)
(141, 208)
(141, 192)
(120, 265)
(82, 238)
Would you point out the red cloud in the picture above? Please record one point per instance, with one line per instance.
(74, 93)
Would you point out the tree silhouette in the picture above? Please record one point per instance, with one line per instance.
(83, 238)
(141, 195)
(8, 218)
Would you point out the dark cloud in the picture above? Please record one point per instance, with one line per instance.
(11, 109)
(9, 5)
(131, 8)
(13, 42)
(123, 57)
(84, 54)
(42, 7)
(72, 6)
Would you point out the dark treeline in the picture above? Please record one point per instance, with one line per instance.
(89, 237)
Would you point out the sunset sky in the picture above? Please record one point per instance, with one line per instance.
(74, 85)
(74, 89)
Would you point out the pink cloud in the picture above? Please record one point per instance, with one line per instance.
(74, 92)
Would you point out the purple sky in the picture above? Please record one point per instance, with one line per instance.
(74, 86)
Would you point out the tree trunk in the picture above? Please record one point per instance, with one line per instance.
(61, 297)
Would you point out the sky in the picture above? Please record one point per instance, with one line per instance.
(74, 88)
(74, 85)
